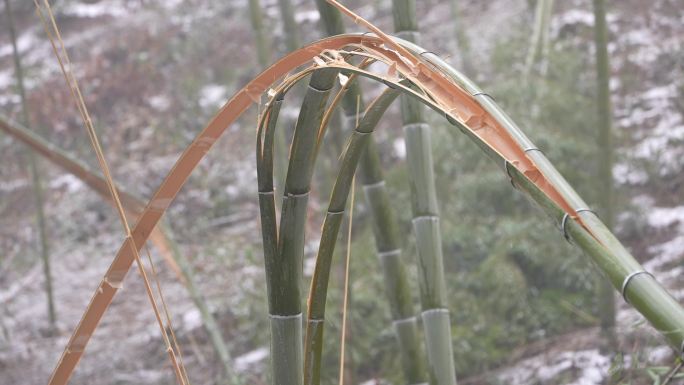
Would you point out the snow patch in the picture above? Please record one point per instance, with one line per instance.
(246, 360)
(399, 148)
(192, 319)
(311, 16)
(68, 182)
(160, 102)
(212, 95)
(99, 9)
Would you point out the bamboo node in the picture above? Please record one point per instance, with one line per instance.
(389, 253)
(584, 209)
(410, 319)
(435, 311)
(278, 316)
(564, 222)
(483, 94)
(530, 149)
(627, 280)
(508, 172)
(115, 279)
(375, 185)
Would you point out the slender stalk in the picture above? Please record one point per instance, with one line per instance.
(133, 205)
(264, 54)
(539, 44)
(208, 321)
(261, 37)
(292, 39)
(36, 177)
(385, 228)
(606, 299)
(435, 315)
(355, 148)
(461, 41)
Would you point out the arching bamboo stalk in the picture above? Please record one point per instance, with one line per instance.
(354, 150)
(385, 228)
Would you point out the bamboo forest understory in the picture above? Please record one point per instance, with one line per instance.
(305, 192)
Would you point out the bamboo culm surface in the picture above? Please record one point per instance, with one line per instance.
(384, 222)
(354, 150)
(606, 299)
(284, 247)
(435, 314)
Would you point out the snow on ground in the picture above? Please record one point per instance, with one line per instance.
(98, 9)
(246, 360)
(212, 96)
(590, 367)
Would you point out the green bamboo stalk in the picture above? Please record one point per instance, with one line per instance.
(36, 177)
(435, 315)
(638, 287)
(292, 39)
(539, 44)
(261, 37)
(284, 248)
(132, 204)
(353, 152)
(461, 39)
(385, 228)
(604, 293)
(264, 54)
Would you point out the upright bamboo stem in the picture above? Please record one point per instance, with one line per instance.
(435, 315)
(461, 40)
(606, 299)
(284, 248)
(261, 37)
(385, 228)
(36, 178)
(292, 39)
(539, 44)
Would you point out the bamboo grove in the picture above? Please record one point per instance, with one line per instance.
(422, 81)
